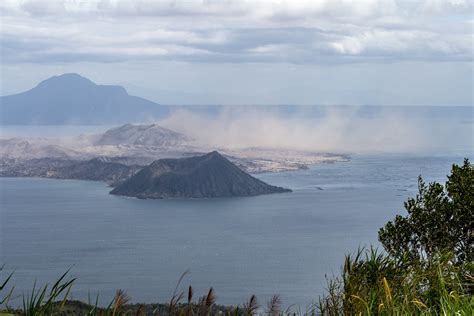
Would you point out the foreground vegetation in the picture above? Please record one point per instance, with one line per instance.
(426, 268)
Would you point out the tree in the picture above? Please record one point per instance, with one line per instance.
(440, 219)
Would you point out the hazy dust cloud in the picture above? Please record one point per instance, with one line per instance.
(333, 130)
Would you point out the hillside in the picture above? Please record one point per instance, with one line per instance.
(98, 169)
(73, 99)
(207, 176)
(19, 148)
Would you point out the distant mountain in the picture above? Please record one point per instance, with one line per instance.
(144, 135)
(73, 99)
(207, 176)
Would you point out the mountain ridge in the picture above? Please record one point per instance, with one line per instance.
(73, 99)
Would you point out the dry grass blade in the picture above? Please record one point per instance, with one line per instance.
(388, 292)
(202, 306)
(251, 307)
(202, 301)
(140, 310)
(190, 294)
(177, 297)
(206, 302)
(189, 308)
(210, 298)
(121, 299)
(274, 305)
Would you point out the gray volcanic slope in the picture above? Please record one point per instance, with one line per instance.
(97, 169)
(207, 176)
(145, 135)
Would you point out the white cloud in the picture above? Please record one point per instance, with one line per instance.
(267, 49)
(301, 31)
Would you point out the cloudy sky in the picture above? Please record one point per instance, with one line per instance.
(247, 52)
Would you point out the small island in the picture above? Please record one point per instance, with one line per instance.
(207, 176)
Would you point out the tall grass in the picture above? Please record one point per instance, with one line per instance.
(373, 283)
(46, 300)
(43, 302)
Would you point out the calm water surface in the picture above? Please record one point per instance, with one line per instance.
(282, 243)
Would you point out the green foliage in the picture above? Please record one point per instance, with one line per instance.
(440, 219)
(42, 302)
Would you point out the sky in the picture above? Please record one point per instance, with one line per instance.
(380, 52)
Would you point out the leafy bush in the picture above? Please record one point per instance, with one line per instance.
(440, 219)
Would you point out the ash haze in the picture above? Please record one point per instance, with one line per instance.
(366, 130)
(247, 52)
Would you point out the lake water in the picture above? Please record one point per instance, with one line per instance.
(282, 243)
